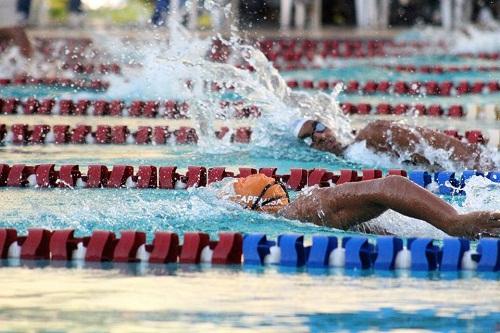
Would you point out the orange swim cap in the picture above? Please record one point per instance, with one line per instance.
(259, 192)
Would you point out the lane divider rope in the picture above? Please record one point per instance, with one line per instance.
(168, 177)
(23, 134)
(441, 69)
(78, 84)
(400, 88)
(171, 109)
(233, 248)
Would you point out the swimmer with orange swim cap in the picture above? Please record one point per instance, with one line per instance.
(348, 205)
(259, 192)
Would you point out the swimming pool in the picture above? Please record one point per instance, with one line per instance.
(139, 297)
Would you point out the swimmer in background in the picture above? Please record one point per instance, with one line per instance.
(383, 136)
(348, 205)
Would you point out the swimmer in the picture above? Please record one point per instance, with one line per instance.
(348, 205)
(395, 139)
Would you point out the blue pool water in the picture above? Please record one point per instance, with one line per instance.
(49, 297)
(194, 298)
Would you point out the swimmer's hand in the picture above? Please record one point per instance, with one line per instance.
(477, 225)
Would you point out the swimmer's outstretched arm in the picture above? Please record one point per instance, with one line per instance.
(350, 204)
(392, 137)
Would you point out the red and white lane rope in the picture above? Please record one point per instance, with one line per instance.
(417, 88)
(440, 69)
(291, 50)
(482, 55)
(168, 177)
(94, 84)
(23, 134)
(138, 108)
(472, 111)
(170, 109)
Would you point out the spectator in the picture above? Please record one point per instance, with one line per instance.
(75, 13)
(23, 8)
(160, 13)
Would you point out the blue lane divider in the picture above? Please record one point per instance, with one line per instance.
(387, 249)
(494, 176)
(448, 184)
(424, 254)
(380, 253)
(322, 247)
(255, 248)
(447, 181)
(358, 253)
(422, 178)
(489, 250)
(452, 254)
(293, 252)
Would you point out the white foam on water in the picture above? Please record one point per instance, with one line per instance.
(12, 63)
(358, 152)
(166, 66)
(481, 194)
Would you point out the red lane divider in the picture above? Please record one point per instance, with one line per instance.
(22, 134)
(432, 88)
(334, 43)
(434, 110)
(167, 177)
(74, 52)
(101, 246)
(180, 110)
(149, 109)
(482, 55)
(293, 50)
(56, 82)
(439, 69)
(90, 68)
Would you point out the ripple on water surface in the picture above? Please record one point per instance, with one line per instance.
(193, 298)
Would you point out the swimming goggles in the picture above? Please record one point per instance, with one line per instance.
(317, 127)
(258, 204)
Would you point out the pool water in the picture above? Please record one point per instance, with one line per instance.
(372, 69)
(77, 297)
(45, 297)
(195, 298)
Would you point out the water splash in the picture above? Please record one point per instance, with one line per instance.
(481, 194)
(166, 67)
